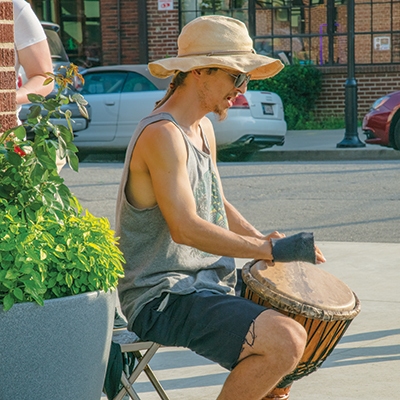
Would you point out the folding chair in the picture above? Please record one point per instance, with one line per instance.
(143, 352)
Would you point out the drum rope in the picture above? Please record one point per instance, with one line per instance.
(320, 352)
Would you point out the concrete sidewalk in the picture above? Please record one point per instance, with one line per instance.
(321, 146)
(365, 365)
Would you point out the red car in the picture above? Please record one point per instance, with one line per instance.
(381, 124)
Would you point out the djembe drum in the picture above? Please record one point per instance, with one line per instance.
(323, 304)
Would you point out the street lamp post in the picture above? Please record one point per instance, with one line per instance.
(351, 138)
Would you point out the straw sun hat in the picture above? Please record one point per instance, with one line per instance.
(216, 41)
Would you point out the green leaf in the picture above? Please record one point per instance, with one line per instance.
(13, 158)
(8, 302)
(43, 255)
(73, 160)
(51, 104)
(34, 111)
(36, 98)
(64, 100)
(52, 282)
(26, 269)
(12, 274)
(47, 81)
(19, 294)
(66, 134)
(20, 132)
(68, 279)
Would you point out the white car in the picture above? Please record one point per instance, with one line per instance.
(255, 121)
(120, 96)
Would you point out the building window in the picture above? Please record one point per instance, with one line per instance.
(191, 9)
(312, 31)
(79, 21)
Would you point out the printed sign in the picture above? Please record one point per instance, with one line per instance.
(164, 5)
(382, 43)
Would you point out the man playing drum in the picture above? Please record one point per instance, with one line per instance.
(178, 232)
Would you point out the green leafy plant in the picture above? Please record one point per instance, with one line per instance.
(49, 246)
(299, 87)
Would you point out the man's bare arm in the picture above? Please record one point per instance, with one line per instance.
(162, 149)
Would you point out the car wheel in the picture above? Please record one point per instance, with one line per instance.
(82, 155)
(233, 155)
(396, 136)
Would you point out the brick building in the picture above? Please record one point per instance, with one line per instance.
(8, 118)
(105, 32)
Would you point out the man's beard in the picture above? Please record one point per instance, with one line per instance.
(220, 113)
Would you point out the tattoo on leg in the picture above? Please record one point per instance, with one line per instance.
(252, 332)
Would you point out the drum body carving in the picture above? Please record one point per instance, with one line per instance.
(320, 302)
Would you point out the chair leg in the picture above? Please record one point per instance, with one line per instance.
(143, 360)
(128, 389)
(142, 366)
(153, 379)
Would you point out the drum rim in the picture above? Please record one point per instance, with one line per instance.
(292, 306)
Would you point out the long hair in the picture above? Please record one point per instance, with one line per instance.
(177, 80)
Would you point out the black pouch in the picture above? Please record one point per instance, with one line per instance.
(299, 247)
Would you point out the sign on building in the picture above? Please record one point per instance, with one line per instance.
(164, 5)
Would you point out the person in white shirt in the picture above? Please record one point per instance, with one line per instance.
(31, 52)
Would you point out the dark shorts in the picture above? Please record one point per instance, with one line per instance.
(212, 325)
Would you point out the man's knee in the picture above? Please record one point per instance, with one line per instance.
(294, 339)
(278, 336)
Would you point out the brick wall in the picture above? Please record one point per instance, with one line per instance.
(163, 31)
(121, 46)
(372, 83)
(8, 117)
(120, 34)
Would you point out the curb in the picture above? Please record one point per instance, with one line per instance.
(326, 155)
(279, 155)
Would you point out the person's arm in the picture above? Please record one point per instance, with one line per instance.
(237, 223)
(36, 61)
(163, 151)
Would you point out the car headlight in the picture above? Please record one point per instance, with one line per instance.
(380, 102)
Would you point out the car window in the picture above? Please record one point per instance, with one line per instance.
(137, 83)
(103, 82)
(56, 47)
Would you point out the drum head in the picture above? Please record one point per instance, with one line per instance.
(302, 288)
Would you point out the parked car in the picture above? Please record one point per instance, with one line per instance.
(255, 121)
(381, 124)
(78, 121)
(120, 96)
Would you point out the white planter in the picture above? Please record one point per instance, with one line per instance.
(58, 351)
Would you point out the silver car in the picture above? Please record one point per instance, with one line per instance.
(120, 96)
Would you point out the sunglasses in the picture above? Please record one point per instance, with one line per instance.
(240, 79)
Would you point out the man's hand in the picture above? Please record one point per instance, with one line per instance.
(299, 247)
(275, 235)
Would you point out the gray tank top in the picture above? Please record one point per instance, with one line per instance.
(155, 264)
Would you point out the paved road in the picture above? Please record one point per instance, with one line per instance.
(339, 201)
(348, 201)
